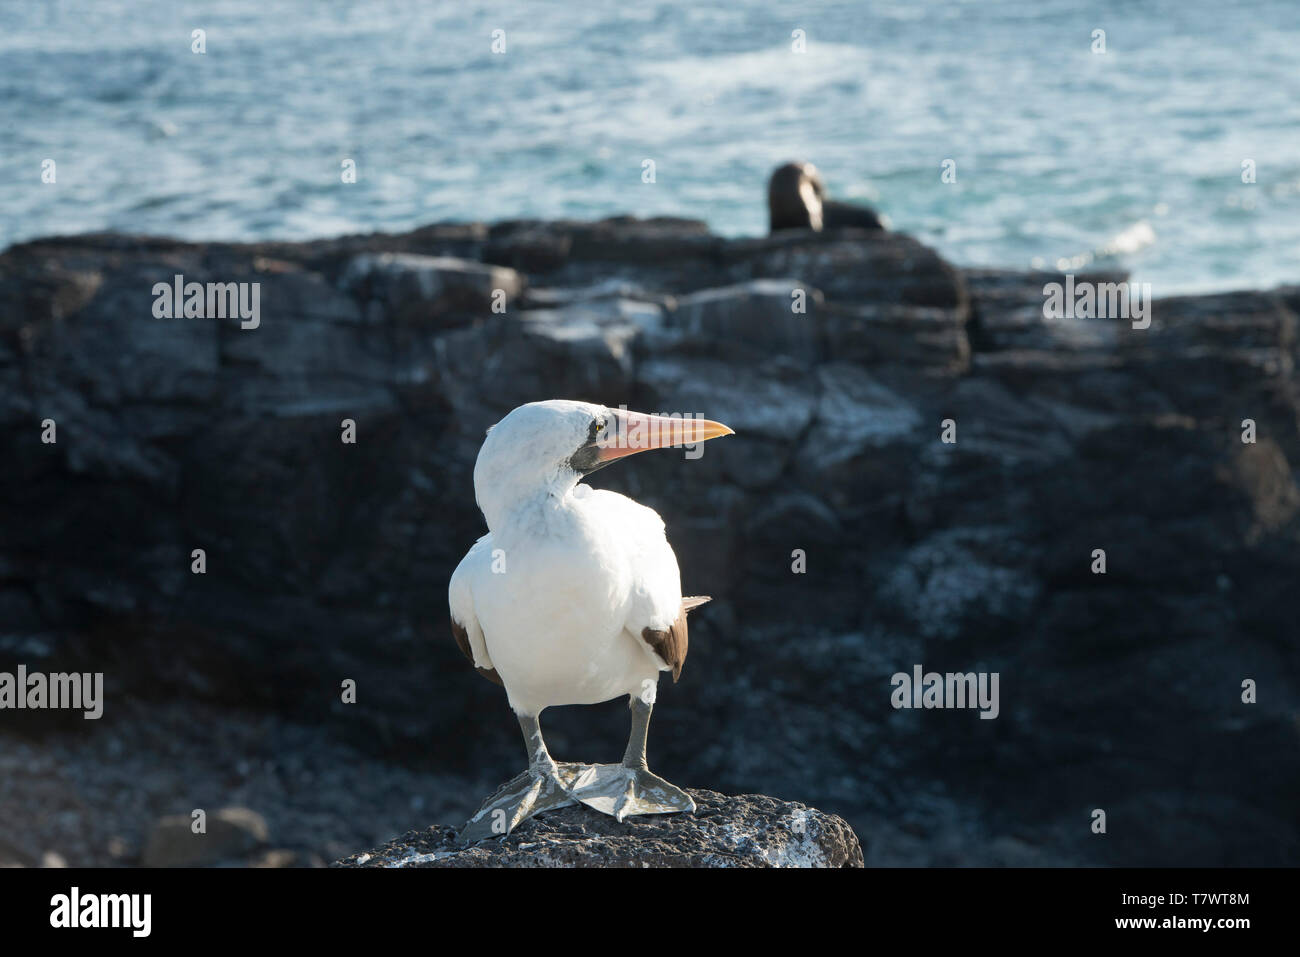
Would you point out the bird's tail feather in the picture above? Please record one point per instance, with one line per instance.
(695, 601)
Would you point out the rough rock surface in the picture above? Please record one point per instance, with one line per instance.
(328, 562)
(749, 830)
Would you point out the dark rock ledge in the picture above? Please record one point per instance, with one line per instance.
(328, 561)
(749, 830)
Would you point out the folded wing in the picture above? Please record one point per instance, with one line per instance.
(465, 627)
(657, 610)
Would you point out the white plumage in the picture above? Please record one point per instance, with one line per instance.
(578, 577)
(574, 595)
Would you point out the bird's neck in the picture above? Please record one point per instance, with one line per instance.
(530, 510)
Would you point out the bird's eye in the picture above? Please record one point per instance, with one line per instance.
(600, 426)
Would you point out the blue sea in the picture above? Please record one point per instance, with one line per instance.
(1063, 155)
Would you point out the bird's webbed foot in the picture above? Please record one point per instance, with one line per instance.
(529, 793)
(621, 791)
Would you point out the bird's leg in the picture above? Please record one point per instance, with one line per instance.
(545, 785)
(539, 759)
(634, 756)
(630, 788)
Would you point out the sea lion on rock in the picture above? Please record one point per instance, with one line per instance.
(796, 199)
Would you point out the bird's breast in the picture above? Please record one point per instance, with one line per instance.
(553, 615)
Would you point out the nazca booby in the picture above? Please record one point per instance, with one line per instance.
(573, 597)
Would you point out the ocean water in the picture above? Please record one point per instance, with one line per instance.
(1063, 155)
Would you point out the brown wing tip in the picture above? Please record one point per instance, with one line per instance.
(459, 632)
(695, 601)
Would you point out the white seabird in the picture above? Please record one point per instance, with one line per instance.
(573, 597)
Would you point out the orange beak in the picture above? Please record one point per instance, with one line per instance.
(637, 432)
